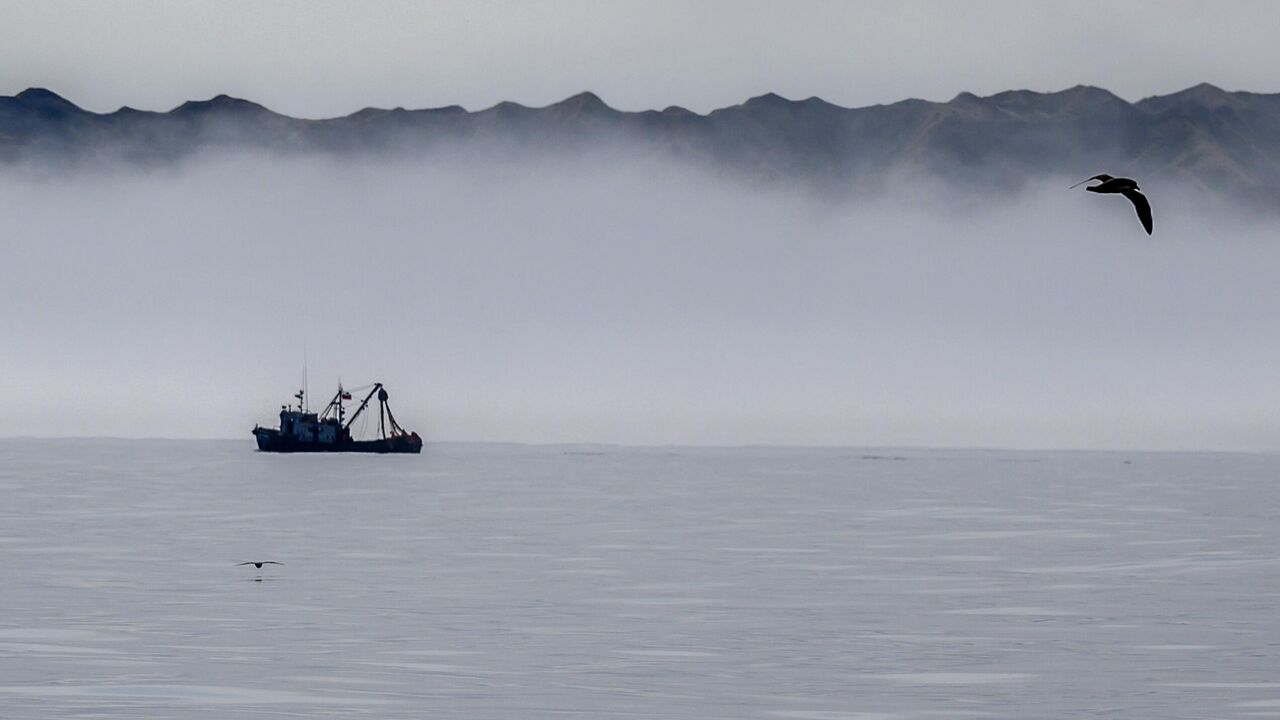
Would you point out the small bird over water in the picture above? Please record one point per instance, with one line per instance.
(259, 563)
(1127, 188)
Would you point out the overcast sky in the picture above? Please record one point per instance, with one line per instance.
(318, 59)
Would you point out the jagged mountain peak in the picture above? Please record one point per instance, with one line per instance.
(507, 106)
(46, 99)
(816, 103)
(221, 103)
(583, 102)
(768, 100)
(400, 110)
(1204, 88)
(1086, 90)
(1073, 100)
(1201, 96)
(39, 94)
(1075, 94)
(678, 111)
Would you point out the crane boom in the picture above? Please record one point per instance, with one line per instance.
(363, 405)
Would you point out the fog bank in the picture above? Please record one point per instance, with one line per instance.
(621, 299)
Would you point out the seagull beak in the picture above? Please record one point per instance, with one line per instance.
(1079, 183)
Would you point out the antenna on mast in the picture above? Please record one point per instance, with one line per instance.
(304, 377)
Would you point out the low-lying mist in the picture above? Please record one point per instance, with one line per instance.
(618, 298)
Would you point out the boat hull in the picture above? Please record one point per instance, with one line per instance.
(270, 440)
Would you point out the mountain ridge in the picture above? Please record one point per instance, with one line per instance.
(1224, 141)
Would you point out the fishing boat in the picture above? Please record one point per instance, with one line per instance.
(330, 430)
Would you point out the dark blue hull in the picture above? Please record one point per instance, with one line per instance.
(270, 440)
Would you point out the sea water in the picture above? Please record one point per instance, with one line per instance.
(496, 581)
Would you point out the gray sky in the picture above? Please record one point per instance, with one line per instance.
(326, 58)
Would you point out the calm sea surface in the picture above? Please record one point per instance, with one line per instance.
(491, 581)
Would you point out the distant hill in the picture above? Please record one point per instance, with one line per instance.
(1228, 142)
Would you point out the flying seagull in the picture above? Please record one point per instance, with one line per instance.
(260, 563)
(1127, 188)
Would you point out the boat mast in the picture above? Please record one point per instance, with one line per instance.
(382, 413)
(336, 402)
(304, 376)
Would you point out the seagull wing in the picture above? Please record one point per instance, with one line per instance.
(1103, 178)
(245, 563)
(271, 562)
(1142, 206)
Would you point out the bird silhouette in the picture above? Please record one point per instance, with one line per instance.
(1127, 188)
(259, 563)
